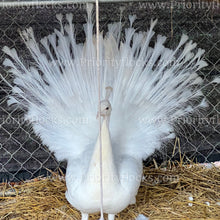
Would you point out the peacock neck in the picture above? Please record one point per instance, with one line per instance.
(109, 171)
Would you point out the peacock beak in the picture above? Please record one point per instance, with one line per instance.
(97, 116)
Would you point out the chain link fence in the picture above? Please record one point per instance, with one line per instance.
(22, 156)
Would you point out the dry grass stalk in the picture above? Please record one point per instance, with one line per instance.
(164, 194)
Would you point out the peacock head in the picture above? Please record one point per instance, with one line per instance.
(105, 108)
(105, 105)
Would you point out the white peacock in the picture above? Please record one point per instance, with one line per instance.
(140, 86)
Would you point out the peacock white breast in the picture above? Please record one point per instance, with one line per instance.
(121, 178)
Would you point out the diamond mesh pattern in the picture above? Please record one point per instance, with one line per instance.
(22, 156)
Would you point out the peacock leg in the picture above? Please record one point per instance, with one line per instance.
(111, 216)
(84, 216)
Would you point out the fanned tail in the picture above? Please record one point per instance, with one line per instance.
(59, 91)
(149, 84)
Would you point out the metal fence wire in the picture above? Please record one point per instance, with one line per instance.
(22, 156)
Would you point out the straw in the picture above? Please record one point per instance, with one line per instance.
(179, 191)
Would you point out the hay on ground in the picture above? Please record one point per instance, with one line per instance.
(174, 192)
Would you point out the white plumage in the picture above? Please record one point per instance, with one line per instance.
(152, 86)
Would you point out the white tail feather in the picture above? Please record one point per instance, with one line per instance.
(150, 86)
